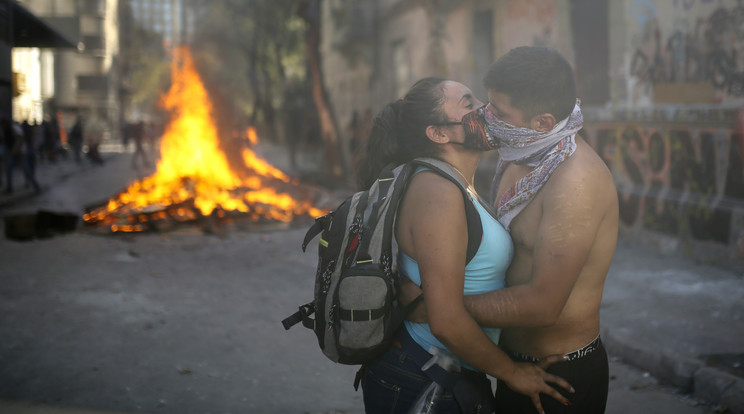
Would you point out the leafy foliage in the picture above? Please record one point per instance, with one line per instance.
(248, 52)
(145, 64)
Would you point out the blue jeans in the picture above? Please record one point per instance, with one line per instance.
(394, 381)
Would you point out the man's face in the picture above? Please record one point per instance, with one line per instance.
(500, 105)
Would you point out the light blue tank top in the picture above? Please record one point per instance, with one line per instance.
(486, 272)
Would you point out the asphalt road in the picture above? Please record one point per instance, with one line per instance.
(184, 321)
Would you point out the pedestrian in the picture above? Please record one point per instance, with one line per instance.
(93, 138)
(20, 148)
(29, 153)
(49, 139)
(126, 134)
(75, 139)
(431, 232)
(13, 151)
(138, 135)
(7, 142)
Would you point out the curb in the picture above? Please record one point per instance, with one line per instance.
(690, 376)
(48, 176)
(25, 407)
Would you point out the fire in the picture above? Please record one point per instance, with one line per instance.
(193, 175)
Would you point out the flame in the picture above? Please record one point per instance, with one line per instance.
(252, 136)
(193, 169)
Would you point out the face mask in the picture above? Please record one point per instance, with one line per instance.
(476, 138)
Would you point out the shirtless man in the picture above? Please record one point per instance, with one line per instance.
(563, 220)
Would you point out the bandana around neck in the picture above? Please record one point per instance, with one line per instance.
(544, 151)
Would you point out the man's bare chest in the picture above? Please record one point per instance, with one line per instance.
(524, 227)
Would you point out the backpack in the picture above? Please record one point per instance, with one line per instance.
(356, 315)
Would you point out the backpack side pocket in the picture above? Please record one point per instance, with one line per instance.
(362, 305)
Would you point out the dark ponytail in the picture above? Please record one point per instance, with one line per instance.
(398, 132)
(382, 145)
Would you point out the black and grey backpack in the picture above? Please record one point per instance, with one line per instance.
(354, 304)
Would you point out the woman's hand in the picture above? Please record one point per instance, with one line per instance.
(532, 380)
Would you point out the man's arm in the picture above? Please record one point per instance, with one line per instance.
(572, 210)
(440, 252)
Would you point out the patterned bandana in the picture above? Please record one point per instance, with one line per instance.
(544, 151)
(476, 137)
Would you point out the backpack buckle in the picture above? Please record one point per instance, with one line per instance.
(302, 315)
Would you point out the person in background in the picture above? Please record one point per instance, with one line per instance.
(139, 131)
(75, 138)
(31, 137)
(49, 139)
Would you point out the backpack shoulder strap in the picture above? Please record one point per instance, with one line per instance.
(320, 224)
(475, 228)
(391, 185)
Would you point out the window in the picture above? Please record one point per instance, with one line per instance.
(92, 84)
(93, 43)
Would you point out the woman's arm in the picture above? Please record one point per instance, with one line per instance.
(432, 230)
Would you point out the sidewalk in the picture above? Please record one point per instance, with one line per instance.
(20, 407)
(51, 175)
(680, 320)
(47, 175)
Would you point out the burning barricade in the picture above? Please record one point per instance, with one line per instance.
(194, 179)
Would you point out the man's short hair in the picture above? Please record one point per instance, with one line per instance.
(536, 79)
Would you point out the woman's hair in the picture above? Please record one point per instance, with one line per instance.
(398, 132)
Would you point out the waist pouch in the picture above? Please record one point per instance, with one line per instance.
(471, 389)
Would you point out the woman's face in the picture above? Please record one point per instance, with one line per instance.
(458, 101)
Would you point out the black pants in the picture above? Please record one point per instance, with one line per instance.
(588, 374)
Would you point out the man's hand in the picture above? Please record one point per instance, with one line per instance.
(407, 292)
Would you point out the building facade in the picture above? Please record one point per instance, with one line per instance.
(22, 32)
(71, 82)
(166, 17)
(661, 83)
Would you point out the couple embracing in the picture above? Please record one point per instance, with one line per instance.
(525, 309)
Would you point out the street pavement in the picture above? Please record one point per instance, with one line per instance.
(187, 321)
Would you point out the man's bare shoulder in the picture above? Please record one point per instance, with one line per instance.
(583, 175)
(584, 165)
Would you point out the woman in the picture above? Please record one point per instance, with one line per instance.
(431, 232)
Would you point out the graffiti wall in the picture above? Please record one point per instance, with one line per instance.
(686, 51)
(678, 169)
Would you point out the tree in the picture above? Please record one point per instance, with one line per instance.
(144, 65)
(252, 53)
(310, 12)
(247, 52)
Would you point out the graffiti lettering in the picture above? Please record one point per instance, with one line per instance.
(709, 52)
(674, 178)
